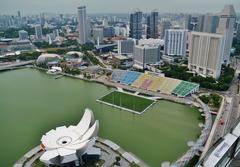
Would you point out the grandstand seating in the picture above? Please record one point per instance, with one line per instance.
(130, 77)
(138, 82)
(154, 83)
(185, 88)
(118, 75)
(146, 83)
(168, 85)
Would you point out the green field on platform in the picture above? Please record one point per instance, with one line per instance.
(128, 101)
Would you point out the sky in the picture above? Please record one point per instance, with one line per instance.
(115, 6)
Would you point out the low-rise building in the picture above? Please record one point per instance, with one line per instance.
(122, 61)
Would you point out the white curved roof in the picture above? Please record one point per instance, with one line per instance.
(69, 142)
(44, 57)
(49, 55)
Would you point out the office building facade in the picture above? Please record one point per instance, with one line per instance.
(125, 47)
(82, 25)
(206, 53)
(146, 54)
(238, 32)
(97, 35)
(164, 25)
(23, 35)
(175, 42)
(210, 23)
(108, 31)
(38, 32)
(152, 25)
(136, 25)
(226, 24)
(200, 23)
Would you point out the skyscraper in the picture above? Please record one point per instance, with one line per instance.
(19, 19)
(42, 19)
(108, 31)
(200, 23)
(164, 26)
(175, 42)
(146, 54)
(152, 25)
(19, 14)
(210, 23)
(227, 20)
(97, 35)
(205, 53)
(38, 32)
(194, 23)
(238, 32)
(136, 25)
(82, 25)
(104, 22)
(125, 47)
(23, 35)
(187, 22)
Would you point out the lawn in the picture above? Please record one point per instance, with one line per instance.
(127, 101)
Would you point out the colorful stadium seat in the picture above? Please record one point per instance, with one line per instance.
(154, 83)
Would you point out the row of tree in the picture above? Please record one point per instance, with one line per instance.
(25, 56)
(181, 72)
(13, 32)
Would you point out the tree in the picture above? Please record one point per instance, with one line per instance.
(204, 98)
(87, 47)
(216, 100)
(118, 158)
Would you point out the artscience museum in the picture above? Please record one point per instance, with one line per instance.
(73, 144)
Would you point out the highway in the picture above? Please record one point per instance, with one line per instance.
(15, 65)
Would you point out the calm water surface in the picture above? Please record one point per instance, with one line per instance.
(32, 103)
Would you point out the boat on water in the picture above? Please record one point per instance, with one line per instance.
(55, 71)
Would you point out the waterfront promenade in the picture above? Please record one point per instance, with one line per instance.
(15, 65)
(110, 151)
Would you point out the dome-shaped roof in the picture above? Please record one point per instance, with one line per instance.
(45, 58)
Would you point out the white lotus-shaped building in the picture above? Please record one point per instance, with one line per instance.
(69, 144)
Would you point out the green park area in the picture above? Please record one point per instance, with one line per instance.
(127, 101)
(212, 99)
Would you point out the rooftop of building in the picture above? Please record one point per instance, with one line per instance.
(207, 34)
(228, 10)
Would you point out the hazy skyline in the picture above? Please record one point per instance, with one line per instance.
(114, 6)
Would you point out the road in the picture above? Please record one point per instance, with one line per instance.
(229, 112)
(15, 64)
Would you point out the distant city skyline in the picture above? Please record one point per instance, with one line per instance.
(113, 6)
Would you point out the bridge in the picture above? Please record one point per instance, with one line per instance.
(15, 65)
